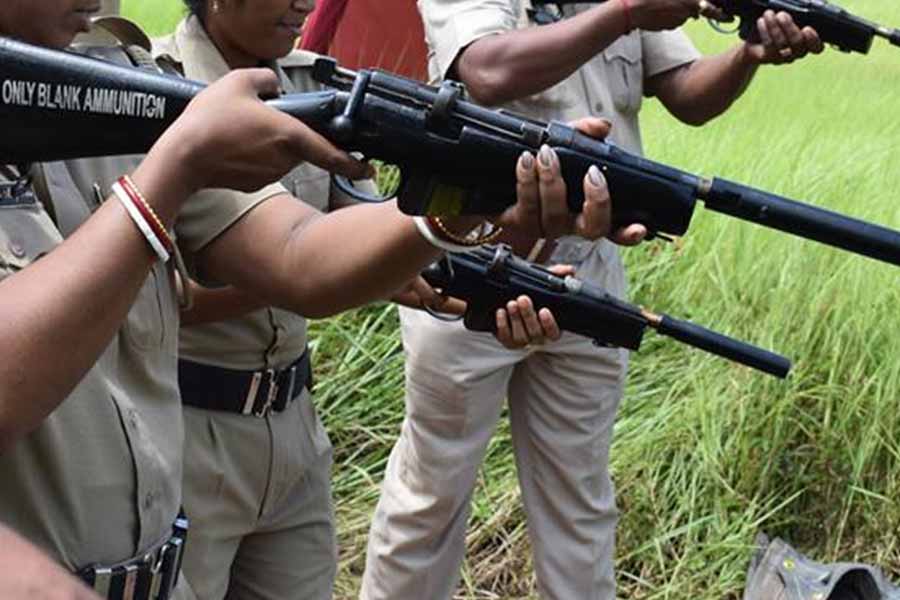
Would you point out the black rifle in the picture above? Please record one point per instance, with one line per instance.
(834, 24)
(489, 277)
(455, 157)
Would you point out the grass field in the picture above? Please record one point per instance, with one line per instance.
(706, 453)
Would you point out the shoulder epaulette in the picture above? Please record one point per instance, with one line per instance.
(298, 59)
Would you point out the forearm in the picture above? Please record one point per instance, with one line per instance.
(25, 572)
(61, 312)
(500, 68)
(219, 304)
(321, 264)
(706, 88)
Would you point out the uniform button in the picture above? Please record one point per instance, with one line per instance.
(148, 501)
(17, 249)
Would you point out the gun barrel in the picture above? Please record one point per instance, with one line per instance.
(801, 219)
(721, 345)
(891, 35)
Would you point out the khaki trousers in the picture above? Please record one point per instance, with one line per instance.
(258, 496)
(562, 401)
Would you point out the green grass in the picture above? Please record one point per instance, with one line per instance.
(706, 453)
(157, 17)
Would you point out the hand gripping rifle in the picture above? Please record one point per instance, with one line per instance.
(487, 278)
(455, 157)
(834, 24)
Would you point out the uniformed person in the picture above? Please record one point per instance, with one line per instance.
(90, 418)
(90, 421)
(262, 525)
(262, 522)
(596, 60)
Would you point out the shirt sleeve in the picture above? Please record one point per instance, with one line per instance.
(666, 50)
(208, 213)
(451, 25)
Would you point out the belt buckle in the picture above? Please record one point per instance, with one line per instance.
(271, 392)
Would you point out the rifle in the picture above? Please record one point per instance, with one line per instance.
(455, 157)
(490, 276)
(835, 25)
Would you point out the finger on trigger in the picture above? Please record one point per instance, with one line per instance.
(310, 146)
(427, 293)
(452, 306)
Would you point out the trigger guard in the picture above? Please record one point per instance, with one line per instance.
(447, 318)
(717, 25)
(345, 185)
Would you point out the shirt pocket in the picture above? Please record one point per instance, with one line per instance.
(571, 250)
(145, 326)
(26, 234)
(624, 64)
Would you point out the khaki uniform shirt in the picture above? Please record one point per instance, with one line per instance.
(610, 85)
(269, 337)
(100, 479)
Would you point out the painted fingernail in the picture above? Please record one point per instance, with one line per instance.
(545, 156)
(594, 176)
(527, 160)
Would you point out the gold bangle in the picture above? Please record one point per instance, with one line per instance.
(484, 238)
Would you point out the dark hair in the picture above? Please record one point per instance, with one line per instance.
(197, 7)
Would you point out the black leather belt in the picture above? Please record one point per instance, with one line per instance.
(253, 393)
(151, 576)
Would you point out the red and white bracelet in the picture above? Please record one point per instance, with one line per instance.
(432, 237)
(437, 234)
(143, 215)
